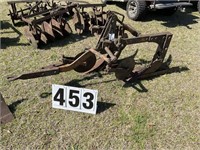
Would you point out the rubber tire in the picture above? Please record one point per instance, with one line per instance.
(198, 6)
(140, 9)
(168, 11)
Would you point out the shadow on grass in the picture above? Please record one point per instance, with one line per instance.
(5, 24)
(76, 82)
(7, 41)
(170, 71)
(164, 69)
(137, 84)
(20, 24)
(177, 19)
(103, 106)
(14, 105)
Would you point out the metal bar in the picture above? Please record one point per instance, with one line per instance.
(100, 55)
(146, 38)
(38, 21)
(112, 56)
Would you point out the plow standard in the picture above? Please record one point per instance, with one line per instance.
(105, 55)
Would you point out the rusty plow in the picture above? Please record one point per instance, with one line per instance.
(115, 36)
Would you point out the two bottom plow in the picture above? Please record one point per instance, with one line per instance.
(105, 56)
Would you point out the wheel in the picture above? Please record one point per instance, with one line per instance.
(104, 1)
(87, 64)
(168, 11)
(198, 6)
(136, 9)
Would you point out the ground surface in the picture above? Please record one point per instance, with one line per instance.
(161, 113)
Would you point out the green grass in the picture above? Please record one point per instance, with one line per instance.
(161, 113)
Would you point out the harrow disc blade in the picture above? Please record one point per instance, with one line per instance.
(31, 38)
(56, 26)
(67, 29)
(87, 64)
(43, 38)
(48, 30)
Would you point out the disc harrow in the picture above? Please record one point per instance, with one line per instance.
(47, 21)
(38, 32)
(105, 56)
(92, 21)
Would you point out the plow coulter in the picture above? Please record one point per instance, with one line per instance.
(48, 20)
(115, 36)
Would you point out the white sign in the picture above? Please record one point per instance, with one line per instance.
(111, 36)
(73, 98)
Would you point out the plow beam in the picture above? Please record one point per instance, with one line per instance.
(55, 69)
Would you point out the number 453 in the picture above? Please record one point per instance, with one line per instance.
(73, 98)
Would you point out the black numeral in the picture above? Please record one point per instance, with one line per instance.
(60, 94)
(74, 103)
(89, 100)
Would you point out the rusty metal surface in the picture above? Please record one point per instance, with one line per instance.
(5, 114)
(112, 41)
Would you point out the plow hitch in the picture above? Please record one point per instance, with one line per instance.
(115, 36)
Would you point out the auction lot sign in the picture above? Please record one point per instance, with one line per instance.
(75, 99)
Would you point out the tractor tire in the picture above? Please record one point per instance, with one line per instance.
(136, 9)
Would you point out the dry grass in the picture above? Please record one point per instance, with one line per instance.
(162, 113)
